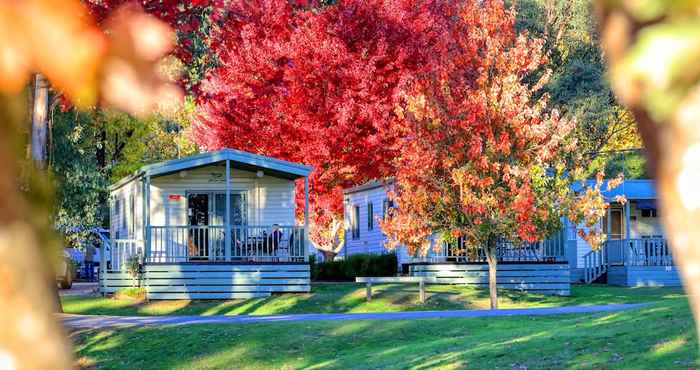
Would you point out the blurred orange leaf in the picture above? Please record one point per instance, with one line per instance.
(116, 67)
(54, 37)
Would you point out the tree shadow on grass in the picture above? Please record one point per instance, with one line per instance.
(658, 336)
(350, 297)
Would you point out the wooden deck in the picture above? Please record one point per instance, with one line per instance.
(212, 280)
(545, 278)
(632, 262)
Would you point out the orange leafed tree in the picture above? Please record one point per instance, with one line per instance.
(482, 157)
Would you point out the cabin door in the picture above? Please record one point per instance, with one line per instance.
(198, 211)
(615, 232)
(207, 216)
(616, 247)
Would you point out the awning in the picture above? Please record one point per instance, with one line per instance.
(645, 204)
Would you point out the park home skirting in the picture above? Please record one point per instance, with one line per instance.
(654, 276)
(212, 280)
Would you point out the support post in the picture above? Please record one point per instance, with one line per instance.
(609, 222)
(421, 288)
(147, 221)
(627, 220)
(369, 291)
(306, 218)
(103, 255)
(227, 217)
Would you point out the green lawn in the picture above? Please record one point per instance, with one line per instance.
(351, 298)
(658, 336)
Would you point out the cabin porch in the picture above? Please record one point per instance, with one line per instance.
(219, 225)
(636, 252)
(633, 262)
(539, 267)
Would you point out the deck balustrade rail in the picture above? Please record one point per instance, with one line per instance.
(595, 263)
(626, 252)
(550, 250)
(120, 251)
(639, 252)
(208, 244)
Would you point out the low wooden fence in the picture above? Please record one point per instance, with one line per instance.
(545, 278)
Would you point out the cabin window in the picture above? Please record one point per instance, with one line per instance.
(354, 222)
(132, 216)
(388, 203)
(114, 227)
(648, 213)
(210, 209)
(370, 216)
(571, 231)
(122, 219)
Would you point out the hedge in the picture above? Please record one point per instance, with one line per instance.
(355, 265)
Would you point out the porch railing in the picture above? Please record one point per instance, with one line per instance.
(208, 244)
(550, 250)
(120, 251)
(639, 252)
(595, 263)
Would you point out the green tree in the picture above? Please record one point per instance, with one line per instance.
(578, 84)
(91, 149)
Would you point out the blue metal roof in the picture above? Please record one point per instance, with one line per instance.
(631, 189)
(239, 159)
(233, 155)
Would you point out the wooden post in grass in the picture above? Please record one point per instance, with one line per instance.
(421, 287)
(369, 291)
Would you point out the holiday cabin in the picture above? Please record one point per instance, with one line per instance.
(539, 267)
(217, 225)
(636, 252)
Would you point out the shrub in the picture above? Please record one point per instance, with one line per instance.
(138, 294)
(355, 265)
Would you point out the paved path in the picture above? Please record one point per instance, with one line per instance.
(79, 289)
(96, 322)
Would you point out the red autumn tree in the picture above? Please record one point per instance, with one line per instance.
(195, 22)
(317, 85)
(481, 156)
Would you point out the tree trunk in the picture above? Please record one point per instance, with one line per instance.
(40, 120)
(328, 256)
(39, 140)
(25, 293)
(493, 264)
(672, 144)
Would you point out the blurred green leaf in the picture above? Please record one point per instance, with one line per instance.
(665, 60)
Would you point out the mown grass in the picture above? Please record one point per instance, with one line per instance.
(657, 336)
(348, 297)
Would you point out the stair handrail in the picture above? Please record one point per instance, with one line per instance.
(595, 264)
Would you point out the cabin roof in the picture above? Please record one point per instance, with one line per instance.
(631, 189)
(239, 160)
(373, 184)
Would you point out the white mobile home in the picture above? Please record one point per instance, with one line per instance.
(216, 225)
(636, 252)
(536, 267)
